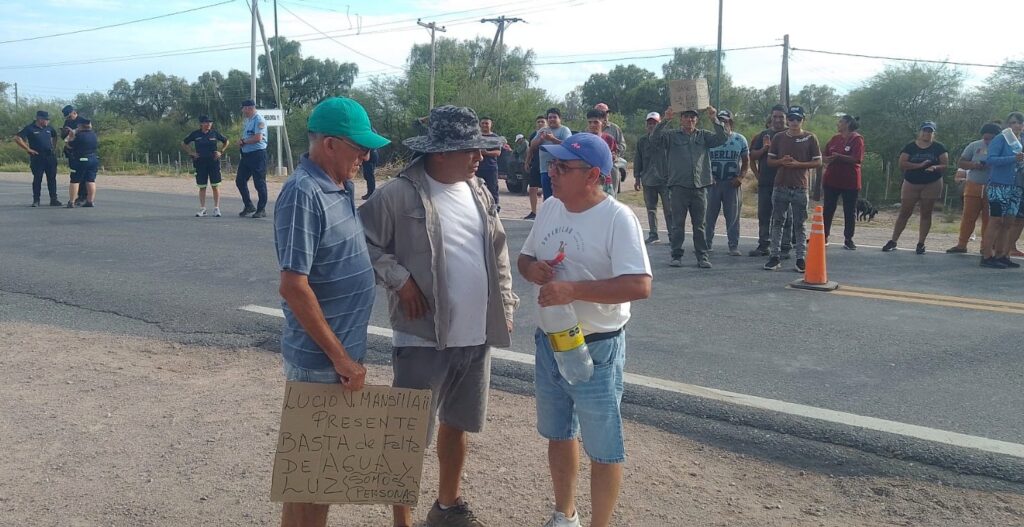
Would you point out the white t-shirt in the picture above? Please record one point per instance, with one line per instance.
(462, 232)
(606, 239)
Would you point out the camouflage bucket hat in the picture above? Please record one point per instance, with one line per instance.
(452, 128)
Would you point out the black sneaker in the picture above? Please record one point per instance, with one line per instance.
(772, 264)
(249, 209)
(919, 249)
(366, 196)
(761, 250)
(35, 203)
(801, 265)
(458, 515)
(1008, 262)
(848, 244)
(79, 202)
(651, 239)
(956, 250)
(88, 205)
(260, 213)
(530, 216)
(992, 263)
(889, 246)
(54, 202)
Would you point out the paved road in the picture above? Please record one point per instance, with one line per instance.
(143, 256)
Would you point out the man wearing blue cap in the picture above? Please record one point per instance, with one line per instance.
(39, 139)
(439, 250)
(592, 230)
(253, 164)
(327, 281)
(206, 160)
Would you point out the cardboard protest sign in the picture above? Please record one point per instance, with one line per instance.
(689, 94)
(338, 446)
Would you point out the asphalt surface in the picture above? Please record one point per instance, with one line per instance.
(141, 263)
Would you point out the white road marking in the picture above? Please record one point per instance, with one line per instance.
(821, 414)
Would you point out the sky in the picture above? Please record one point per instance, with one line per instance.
(573, 39)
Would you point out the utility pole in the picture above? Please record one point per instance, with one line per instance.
(499, 40)
(784, 84)
(432, 27)
(277, 92)
(252, 77)
(718, 68)
(16, 102)
(277, 82)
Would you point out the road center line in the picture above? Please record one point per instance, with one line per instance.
(832, 416)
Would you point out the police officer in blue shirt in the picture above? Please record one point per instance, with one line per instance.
(253, 164)
(85, 162)
(206, 160)
(70, 125)
(39, 139)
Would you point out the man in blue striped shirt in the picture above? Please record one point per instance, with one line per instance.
(327, 282)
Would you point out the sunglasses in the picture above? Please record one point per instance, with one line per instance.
(363, 151)
(561, 167)
(793, 118)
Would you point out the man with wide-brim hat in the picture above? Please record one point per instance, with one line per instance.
(439, 250)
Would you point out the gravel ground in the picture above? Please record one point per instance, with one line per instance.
(113, 430)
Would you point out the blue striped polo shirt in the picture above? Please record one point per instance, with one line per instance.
(318, 233)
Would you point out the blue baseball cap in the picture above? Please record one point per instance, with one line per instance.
(929, 124)
(586, 147)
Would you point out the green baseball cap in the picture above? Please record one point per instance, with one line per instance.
(344, 117)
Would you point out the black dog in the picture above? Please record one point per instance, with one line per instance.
(865, 210)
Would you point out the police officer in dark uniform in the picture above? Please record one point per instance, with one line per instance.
(85, 162)
(70, 125)
(39, 139)
(253, 164)
(206, 160)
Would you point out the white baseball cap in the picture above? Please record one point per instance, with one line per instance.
(654, 115)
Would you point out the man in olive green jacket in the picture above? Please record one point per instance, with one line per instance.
(650, 173)
(688, 169)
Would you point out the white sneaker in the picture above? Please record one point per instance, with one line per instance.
(559, 520)
(201, 213)
(216, 212)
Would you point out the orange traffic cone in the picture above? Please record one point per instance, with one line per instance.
(816, 275)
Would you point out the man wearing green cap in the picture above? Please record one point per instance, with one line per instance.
(327, 281)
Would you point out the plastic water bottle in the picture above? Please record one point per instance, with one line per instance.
(1012, 140)
(564, 332)
(566, 339)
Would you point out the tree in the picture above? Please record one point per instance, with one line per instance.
(619, 88)
(152, 97)
(304, 81)
(817, 99)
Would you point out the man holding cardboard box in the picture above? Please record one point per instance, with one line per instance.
(688, 167)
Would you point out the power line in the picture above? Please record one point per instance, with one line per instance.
(234, 46)
(119, 24)
(638, 57)
(338, 42)
(903, 59)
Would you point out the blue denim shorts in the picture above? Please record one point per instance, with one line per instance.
(590, 409)
(300, 374)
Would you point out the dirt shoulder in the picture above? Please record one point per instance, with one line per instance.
(104, 429)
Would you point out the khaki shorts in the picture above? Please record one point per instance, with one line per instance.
(913, 191)
(458, 379)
